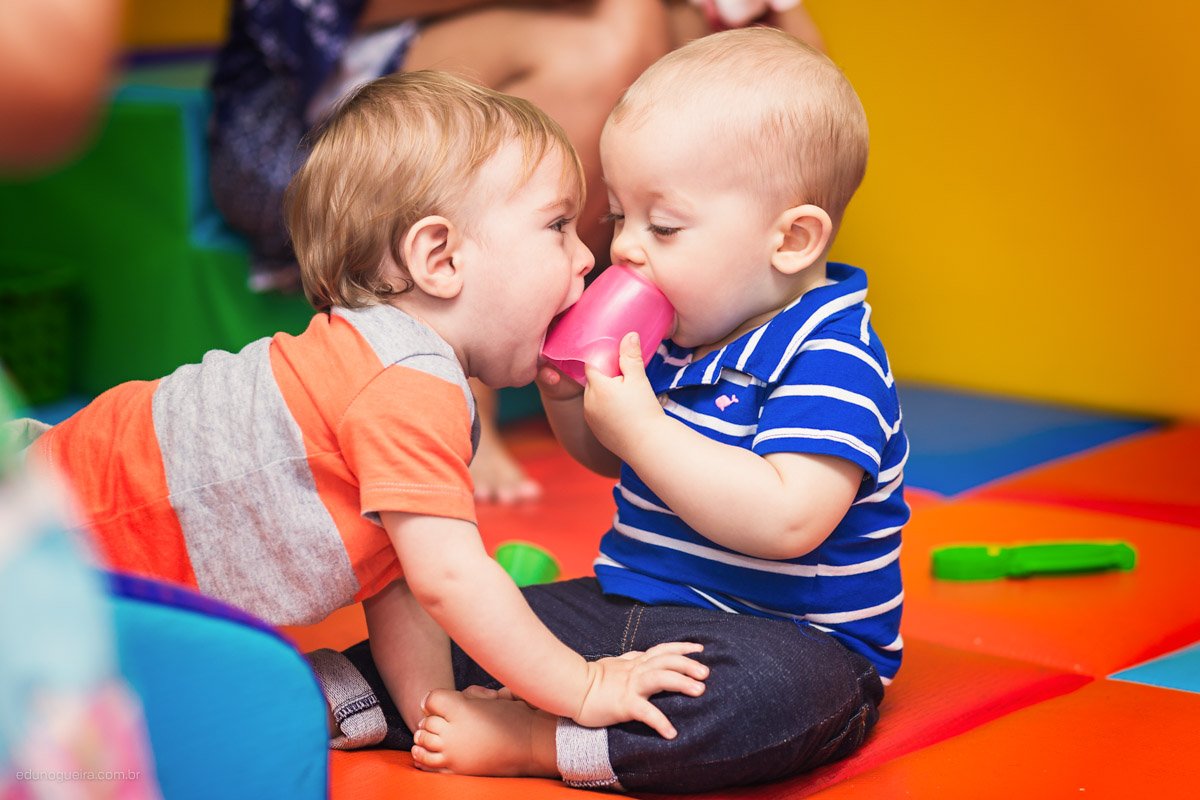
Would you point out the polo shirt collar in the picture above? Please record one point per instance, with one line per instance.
(762, 352)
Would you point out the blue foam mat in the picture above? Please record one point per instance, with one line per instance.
(1178, 670)
(961, 441)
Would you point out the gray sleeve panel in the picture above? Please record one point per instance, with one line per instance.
(398, 338)
(256, 531)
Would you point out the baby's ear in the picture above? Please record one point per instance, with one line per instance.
(803, 232)
(427, 250)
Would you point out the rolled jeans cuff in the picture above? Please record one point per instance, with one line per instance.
(583, 759)
(354, 705)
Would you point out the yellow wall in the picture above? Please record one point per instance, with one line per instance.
(1030, 214)
(162, 24)
(1029, 218)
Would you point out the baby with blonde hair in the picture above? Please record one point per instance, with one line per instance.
(760, 453)
(434, 222)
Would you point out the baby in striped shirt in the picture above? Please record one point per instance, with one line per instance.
(759, 454)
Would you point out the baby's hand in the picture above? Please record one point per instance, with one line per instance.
(554, 385)
(619, 687)
(616, 408)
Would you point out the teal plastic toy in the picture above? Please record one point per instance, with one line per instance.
(979, 562)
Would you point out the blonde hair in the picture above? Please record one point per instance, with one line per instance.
(781, 105)
(398, 149)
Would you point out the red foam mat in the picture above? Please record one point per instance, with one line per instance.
(1091, 624)
(1153, 476)
(939, 693)
(1107, 740)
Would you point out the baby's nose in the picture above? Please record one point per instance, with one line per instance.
(625, 248)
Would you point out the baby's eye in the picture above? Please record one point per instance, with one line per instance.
(659, 230)
(561, 224)
(612, 217)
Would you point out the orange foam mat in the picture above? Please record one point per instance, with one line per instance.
(390, 775)
(940, 692)
(1091, 624)
(1107, 740)
(1152, 475)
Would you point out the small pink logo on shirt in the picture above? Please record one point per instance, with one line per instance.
(725, 401)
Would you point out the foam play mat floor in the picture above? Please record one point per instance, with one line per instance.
(1072, 686)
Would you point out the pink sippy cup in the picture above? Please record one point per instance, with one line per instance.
(617, 302)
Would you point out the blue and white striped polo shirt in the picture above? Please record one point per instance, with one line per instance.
(814, 379)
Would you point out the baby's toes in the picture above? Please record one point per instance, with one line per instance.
(429, 742)
(442, 703)
(427, 760)
(434, 726)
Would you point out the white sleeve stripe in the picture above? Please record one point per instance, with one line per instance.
(819, 316)
(838, 346)
(705, 421)
(817, 433)
(896, 645)
(883, 533)
(881, 494)
(837, 393)
(639, 502)
(891, 473)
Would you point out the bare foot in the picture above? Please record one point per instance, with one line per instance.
(497, 476)
(469, 734)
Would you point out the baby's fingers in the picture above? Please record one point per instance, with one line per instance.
(556, 385)
(669, 680)
(646, 712)
(682, 648)
(679, 664)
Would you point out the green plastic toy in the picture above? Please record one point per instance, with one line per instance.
(979, 562)
(526, 563)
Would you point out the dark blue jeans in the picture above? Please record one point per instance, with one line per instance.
(781, 698)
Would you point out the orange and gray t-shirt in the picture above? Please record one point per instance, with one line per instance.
(257, 477)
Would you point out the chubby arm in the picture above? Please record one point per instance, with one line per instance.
(563, 400)
(471, 597)
(777, 507)
(410, 649)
